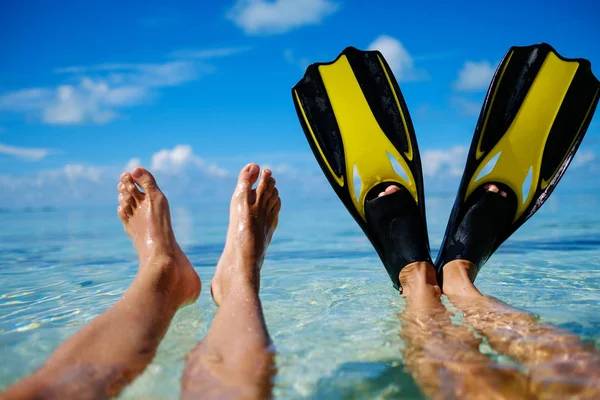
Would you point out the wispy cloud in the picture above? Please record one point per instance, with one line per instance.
(583, 158)
(101, 92)
(25, 153)
(207, 54)
(444, 161)
(399, 59)
(301, 63)
(474, 76)
(149, 75)
(465, 106)
(263, 17)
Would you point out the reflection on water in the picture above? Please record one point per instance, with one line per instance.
(329, 305)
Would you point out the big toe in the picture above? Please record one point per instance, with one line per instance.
(144, 179)
(389, 190)
(248, 177)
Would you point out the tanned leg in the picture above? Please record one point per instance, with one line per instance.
(559, 363)
(236, 360)
(444, 358)
(107, 354)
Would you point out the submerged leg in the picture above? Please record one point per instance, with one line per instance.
(236, 360)
(107, 354)
(444, 358)
(558, 362)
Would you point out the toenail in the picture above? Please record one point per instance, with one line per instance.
(137, 173)
(253, 169)
(121, 186)
(131, 187)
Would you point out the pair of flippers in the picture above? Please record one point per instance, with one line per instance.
(534, 117)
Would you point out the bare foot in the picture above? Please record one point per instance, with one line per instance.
(147, 220)
(253, 218)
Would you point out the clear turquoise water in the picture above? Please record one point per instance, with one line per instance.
(329, 306)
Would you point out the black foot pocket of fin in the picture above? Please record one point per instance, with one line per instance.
(487, 218)
(401, 232)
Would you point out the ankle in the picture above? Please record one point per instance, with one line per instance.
(458, 277)
(236, 285)
(161, 274)
(418, 277)
(245, 284)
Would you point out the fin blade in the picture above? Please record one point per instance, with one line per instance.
(355, 119)
(534, 117)
(353, 114)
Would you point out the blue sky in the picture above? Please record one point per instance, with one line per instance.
(196, 89)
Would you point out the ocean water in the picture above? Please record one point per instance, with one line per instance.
(329, 305)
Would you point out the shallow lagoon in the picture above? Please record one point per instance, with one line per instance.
(329, 305)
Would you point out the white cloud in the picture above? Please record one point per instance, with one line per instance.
(400, 61)
(180, 158)
(179, 171)
(474, 76)
(207, 54)
(173, 161)
(75, 172)
(446, 161)
(465, 106)
(257, 17)
(583, 158)
(99, 95)
(26, 153)
(133, 163)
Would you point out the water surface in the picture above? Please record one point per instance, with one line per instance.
(329, 305)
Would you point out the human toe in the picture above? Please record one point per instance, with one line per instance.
(130, 187)
(247, 177)
(122, 214)
(144, 179)
(262, 190)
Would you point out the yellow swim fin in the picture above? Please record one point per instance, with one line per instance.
(359, 129)
(536, 112)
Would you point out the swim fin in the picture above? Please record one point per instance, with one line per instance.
(534, 117)
(358, 127)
